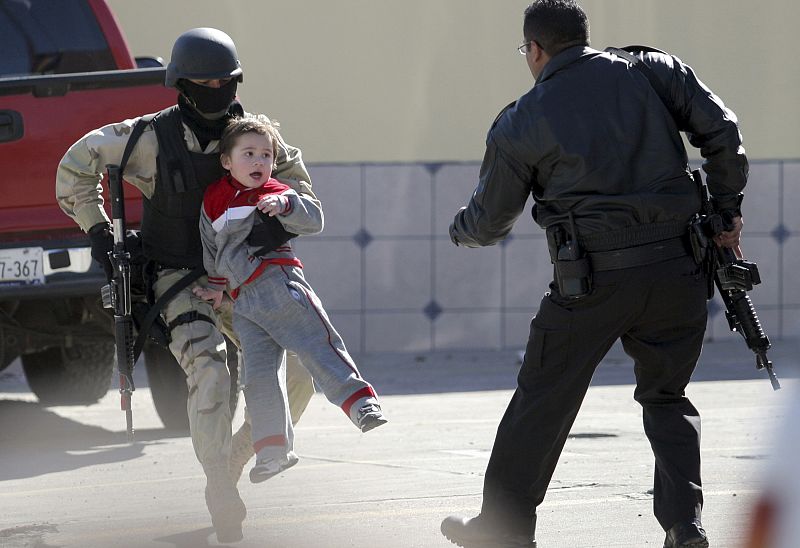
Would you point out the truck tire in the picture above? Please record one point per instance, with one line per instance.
(168, 384)
(78, 375)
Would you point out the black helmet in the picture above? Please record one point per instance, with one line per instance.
(203, 54)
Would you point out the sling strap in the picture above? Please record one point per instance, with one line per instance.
(155, 310)
(645, 69)
(180, 285)
(136, 132)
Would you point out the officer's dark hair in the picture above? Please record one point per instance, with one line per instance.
(556, 25)
(250, 123)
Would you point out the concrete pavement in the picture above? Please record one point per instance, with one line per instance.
(68, 479)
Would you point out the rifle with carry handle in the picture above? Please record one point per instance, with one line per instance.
(117, 296)
(733, 276)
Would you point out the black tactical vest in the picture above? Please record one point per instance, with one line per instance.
(171, 217)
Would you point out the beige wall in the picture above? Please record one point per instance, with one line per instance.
(421, 80)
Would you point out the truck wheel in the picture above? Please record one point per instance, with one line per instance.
(78, 375)
(168, 384)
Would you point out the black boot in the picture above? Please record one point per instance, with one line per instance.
(688, 534)
(478, 533)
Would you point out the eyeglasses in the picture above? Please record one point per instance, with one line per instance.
(526, 47)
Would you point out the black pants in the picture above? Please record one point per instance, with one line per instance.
(659, 312)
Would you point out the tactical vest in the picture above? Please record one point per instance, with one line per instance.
(171, 216)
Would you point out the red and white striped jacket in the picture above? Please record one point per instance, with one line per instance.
(227, 219)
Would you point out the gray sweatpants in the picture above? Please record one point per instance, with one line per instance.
(279, 311)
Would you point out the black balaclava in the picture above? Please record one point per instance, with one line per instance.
(211, 103)
(207, 110)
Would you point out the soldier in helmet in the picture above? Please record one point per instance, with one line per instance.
(171, 157)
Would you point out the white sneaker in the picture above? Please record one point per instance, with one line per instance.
(266, 468)
(370, 416)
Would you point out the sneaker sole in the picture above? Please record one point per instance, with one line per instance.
(258, 478)
(372, 424)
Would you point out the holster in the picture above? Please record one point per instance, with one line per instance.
(573, 269)
(702, 243)
(157, 332)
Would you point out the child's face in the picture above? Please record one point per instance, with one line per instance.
(250, 161)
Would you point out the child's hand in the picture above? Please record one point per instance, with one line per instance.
(214, 296)
(274, 204)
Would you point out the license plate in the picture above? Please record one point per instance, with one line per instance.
(21, 266)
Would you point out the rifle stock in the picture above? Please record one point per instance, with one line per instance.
(117, 295)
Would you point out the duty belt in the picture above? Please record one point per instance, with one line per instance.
(640, 255)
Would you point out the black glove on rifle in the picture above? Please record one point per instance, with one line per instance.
(102, 244)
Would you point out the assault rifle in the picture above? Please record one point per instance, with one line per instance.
(733, 277)
(117, 296)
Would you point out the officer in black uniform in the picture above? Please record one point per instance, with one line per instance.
(600, 151)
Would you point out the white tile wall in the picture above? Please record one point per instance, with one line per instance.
(465, 330)
(452, 191)
(396, 332)
(791, 271)
(791, 197)
(763, 250)
(376, 293)
(517, 326)
(528, 271)
(761, 205)
(333, 268)
(349, 327)
(398, 274)
(468, 277)
(398, 200)
(340, 189)
(791, 323)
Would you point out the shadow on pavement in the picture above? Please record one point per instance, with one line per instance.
(468, 371)
(199, 538)
(39, 441)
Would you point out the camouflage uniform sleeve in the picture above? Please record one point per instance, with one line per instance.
(291, 170)
(80, 172)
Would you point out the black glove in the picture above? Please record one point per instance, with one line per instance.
(102, 244)
(269, 234)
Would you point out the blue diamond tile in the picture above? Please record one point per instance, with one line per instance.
(433, 168)
(362, 238)
(780, 233)
(432, 310)
(505, 241)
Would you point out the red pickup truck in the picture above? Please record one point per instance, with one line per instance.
(65, 69)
